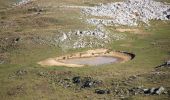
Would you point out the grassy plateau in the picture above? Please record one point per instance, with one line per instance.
(24, 40)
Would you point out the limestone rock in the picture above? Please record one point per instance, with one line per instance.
(129, 12)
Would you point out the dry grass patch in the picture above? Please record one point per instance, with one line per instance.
(134, 31)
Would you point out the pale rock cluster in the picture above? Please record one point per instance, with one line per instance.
(129, 12)
(87, 38)
(22, 2)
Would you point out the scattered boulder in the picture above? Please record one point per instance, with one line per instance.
(147, 91)
(42, 73)
(86, 82)
(35, 9)
(98, 37)
(159, 90)
(63, 37)
(76, 80)
(21, 72)
(168, 16)
(16, 40)
(65, 82)
(89, 83)
(152, 91)
(166, 64)
(80, 82)
(135, 91)
(102, 91)
(2, 62)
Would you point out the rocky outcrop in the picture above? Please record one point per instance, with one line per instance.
(98, 37)
(166, 64)
(22, 2)
(80, 82)
(129, 12)
(152, 91)
(148, 91)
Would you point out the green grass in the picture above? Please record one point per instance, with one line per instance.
(150, 50)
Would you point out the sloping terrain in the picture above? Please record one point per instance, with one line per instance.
(41, 29)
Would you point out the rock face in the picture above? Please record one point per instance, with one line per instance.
(129, 12)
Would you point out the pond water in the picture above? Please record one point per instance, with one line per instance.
(92, 60)
(18, 1)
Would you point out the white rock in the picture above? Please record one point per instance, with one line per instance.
(160, 90)
(64, 37)
(129, 12)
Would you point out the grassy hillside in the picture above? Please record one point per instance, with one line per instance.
(25, 37)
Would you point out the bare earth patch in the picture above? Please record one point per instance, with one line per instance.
(135, 31)
(61, 61)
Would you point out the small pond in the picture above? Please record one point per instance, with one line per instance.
(100, 60)
(16, 1)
